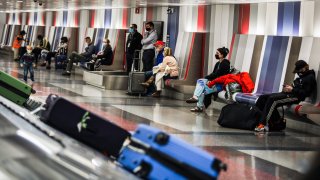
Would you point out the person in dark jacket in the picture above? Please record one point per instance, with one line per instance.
(83, 57)
(133, 44)
(41, 44)
(61, 52)
(103, 57)
(27, 61)
(302, 87)
(222, 67)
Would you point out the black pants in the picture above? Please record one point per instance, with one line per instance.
(50, 55)
(36, 51)
(75, 57)
(269, 102)
(148, 59)
(129, 58)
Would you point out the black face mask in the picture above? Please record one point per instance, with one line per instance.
(148, 29)
(217, 56)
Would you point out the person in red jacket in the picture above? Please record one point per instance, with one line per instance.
(243, 79)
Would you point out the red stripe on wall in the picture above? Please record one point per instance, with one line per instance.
(231, 46)
(44, 15)
(92, 15)
(54, 18)
(244, 18)
(27, 18)
(124, 18)
(7, 18)
(201, 18)
(20, 18)
(189, 57)
(149, 13)
(76, 18)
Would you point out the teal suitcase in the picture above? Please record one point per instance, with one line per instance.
(14, 89)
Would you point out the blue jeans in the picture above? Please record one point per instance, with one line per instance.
(202, 89)
(28, 67)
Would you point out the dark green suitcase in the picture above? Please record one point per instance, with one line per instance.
(14, 89)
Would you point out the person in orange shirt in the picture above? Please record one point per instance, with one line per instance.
(17, 44)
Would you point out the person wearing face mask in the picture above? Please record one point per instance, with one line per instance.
(133, 44)
(149, 38)
(103, 57)
(60, 52)
(222, 67)
(27, 61)
(303, 86)
(83, 57)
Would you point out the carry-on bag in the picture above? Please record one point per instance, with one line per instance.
(153, 154)
(14, 89)
(136, 77)
(240, 116)
(84, 126)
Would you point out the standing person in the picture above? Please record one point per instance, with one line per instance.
(222, 67)
(303, 86)
(149, 38)
(83, 57)
(133, 43)
(17, 44)
(27, 62)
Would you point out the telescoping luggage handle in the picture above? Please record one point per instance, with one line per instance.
(136, 57)
(179, 167)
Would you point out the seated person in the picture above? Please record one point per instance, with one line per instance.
(41, 44)
(222, 67)
(168, 69)
(103, 57)
(62, 50)
(83, 57)
(303, 86)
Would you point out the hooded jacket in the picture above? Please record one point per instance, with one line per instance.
(304, 85)
(243, 79)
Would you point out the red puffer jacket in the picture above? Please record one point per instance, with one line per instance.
(243, 79)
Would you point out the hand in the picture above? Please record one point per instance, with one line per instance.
(21, 65)
(33, 65)
(287, 88)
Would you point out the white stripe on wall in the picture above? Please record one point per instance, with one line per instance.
(306, 18)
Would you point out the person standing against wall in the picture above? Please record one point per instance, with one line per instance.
(17, 44)
(133, 44)
(149, 38)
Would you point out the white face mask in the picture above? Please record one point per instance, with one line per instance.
(29, 51)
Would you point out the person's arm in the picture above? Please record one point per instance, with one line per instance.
(89, 52)
(219, 80)
(152, 38)
(224, 69)
(306, 90)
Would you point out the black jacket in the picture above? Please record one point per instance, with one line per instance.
(134, 42)
(220, 69)
(89, 50)
(305, 85)
(107, 56)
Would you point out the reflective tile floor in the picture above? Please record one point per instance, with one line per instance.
(278, 155)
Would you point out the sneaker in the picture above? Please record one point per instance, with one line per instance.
(66, 74)
(156, 94)
(261, 128)
(196, 109)
(48, 67)
(192, 100)
(43, 64)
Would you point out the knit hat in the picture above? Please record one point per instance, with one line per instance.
(299, 65)
(159, 43)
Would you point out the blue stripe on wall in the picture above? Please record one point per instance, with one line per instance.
(65, 18)
(272, 65)
(35, 17)
(107, 18)
(58, 35)
(173, 28)
(99, 39)
(288, 18)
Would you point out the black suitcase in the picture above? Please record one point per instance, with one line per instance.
(84, 126)
(135, 77)
(240, 116)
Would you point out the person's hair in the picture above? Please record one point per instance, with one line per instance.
(29, 47)
(224, 51)
(22, 32)
(167, 51)
(64, 39)
(107, 40)
(150, 24)
(87, 38)
(134, 26)
(39, 37)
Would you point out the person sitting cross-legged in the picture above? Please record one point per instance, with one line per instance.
(83, 57)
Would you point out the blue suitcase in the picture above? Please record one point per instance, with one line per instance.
(153, 154)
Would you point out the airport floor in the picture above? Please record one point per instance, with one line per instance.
(278, 155)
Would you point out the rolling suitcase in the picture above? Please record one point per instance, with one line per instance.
(84, 126)
(135, 77)
(153, 154)
(14, 89)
